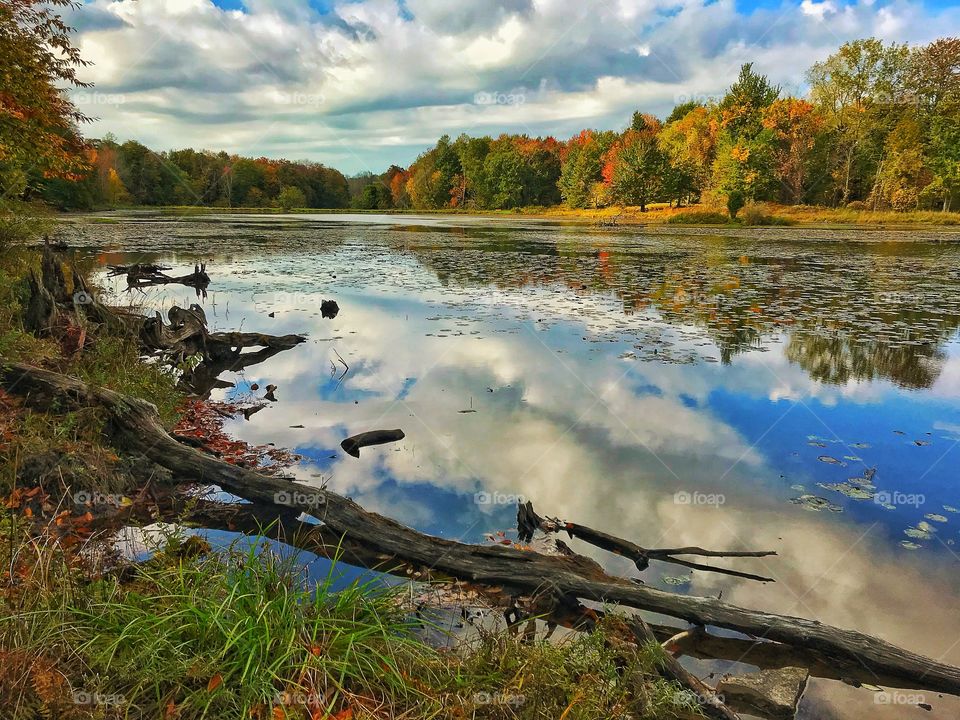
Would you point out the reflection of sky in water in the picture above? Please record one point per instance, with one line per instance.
(600, 415)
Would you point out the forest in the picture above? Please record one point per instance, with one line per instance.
(118, 175)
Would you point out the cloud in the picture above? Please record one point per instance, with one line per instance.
(380, 79)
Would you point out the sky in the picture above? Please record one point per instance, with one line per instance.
(363, 84)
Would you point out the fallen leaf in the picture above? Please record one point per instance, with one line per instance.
(215, 682)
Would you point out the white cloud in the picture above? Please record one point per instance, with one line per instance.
(387, 80)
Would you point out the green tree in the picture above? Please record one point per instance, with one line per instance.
(291, 197)
(375, 196)
(635, 167)
(504, 171)
(858, 88)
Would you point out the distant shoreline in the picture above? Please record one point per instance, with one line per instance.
(784, 217)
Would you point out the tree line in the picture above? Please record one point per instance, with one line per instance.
(878, 129)
(129, 173)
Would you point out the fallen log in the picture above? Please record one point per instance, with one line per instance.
(528, 521)
(140, 275)
(133, 425)
(286, 526)
(709, 701)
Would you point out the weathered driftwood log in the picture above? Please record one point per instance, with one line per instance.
(134, 426)
(285, 525)
(710, 703)
(141, 275)
(528, 521)
(352, 444)
(184, 335)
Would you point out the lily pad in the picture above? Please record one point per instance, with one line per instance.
(815, 503)
(917, 533)
(851, 491)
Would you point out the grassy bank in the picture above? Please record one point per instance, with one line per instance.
(193, 633)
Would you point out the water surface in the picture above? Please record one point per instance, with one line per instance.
(765, 392)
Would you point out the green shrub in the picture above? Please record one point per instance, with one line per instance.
(735, 201)
(699, 217)
(22, 223)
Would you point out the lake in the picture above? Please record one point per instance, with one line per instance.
(786, 390)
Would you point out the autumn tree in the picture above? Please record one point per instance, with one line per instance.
(858, 88)
(583, 166)
(743, 161)
(37, 120)
(934, 80)
(689, 142)
(796, 125)
(902, 174)
(635, 167)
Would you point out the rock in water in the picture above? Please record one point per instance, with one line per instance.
(772, 693)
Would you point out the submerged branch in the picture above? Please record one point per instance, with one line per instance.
(528, 522)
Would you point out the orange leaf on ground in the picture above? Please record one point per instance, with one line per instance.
(215, 682)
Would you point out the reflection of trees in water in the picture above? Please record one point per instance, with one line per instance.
(849, 313)
(840, 359)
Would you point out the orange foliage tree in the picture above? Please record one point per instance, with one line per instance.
(796, 124)
(37, 120)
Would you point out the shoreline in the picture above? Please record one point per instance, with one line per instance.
(865, 233)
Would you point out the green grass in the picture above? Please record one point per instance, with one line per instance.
(105, 360)
(240, 634)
